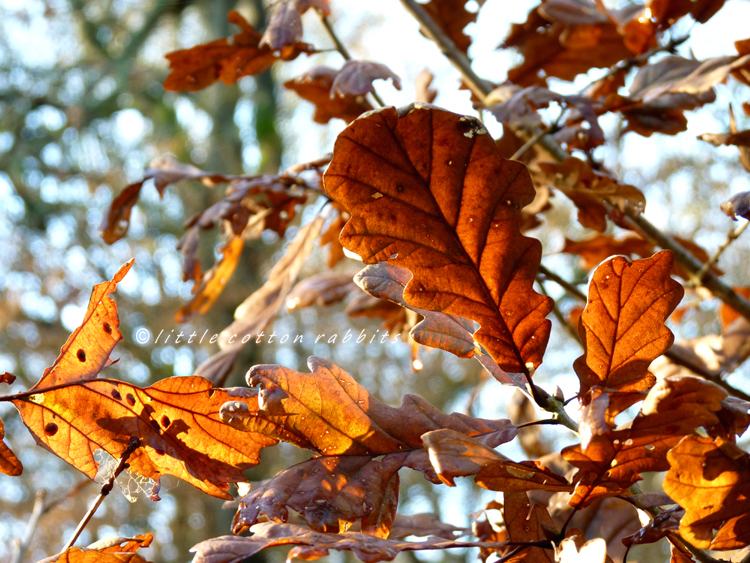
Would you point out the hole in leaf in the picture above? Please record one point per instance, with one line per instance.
(81, 355)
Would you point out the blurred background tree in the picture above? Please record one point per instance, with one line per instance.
(83, 112)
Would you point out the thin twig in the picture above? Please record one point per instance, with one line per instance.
(341, 48)
(733, 235)
(567, 327)
(133, 445)
(699, 554)
(36, 513)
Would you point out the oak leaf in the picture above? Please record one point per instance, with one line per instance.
(738, 204)
(562, 39)
(77, 555)
(313, 545)
(9, 463)
(227, 60)
(740, 139)
(87, 350)
(589, 189)
(612, 462)
(259, 309)
(316, 85)
(710, 479)
(356, 77)
(428, 190)
(452, 17)
(321, 289)
(214, 281)
(176, 419)
(527, 522)
(622, 327)
(363, 443)
(453, 454)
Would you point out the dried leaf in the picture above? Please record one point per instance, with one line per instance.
(316, 85)
(9, 464)
(428, 190)
(564, 38)
(588, 190)
(658, 528)
(227, 60)
(258, 310)
(453, 454)
(331, 235)
(176, 419)
(77, 555)
(738, 204)
(123, 545)
(8, 378)
(622, 327)
(528, 523)
(356, 77)
(740, 139)
(321, 290)
(710, 479)
(363, 441)
(424, 93)
(423, 525)
(284, 27)
(673, 408)
(452, 17)
(312, 545)
(87, 350)
(214, 281)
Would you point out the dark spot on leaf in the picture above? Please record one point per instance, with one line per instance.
(107, 328)
(130, 399)
(116, 394)
(159, 451)
(165, 422)
(50, 429)
(155, 425)
(81, 355)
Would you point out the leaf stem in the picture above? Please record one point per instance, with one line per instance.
(133, 445)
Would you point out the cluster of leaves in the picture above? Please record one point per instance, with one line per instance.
(437, 210)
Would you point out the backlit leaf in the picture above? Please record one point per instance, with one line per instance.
(9, 463)
(428, 190)
(710, 479)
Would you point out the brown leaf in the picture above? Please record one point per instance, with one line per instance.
(622, 327)
(452, 17)
(453, 454)
(316, 86)
(428, 190)
(77, 555)
(356, 77)
(564, 38)
(727, 315)
(87, 350)
(658, 528)
(424, 93)
(124, 545)
(740, 139)
(588, 190)
(227, 60)
(673, 408)
(9, 464)
(214, 281)
(331, 235)
(284, 27)
(8, 378)
(423, 525)
(312, 545)
(364, 443)
(710, 479)
(321, 290)
(176, 419)
(528, 523)
(738, 204)
(258, 310)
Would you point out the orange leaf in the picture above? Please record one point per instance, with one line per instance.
(258, 310)
(77, 555)
(611, 462)
(131, 545)
(8, 378)
(622, 327)
(176, 419)
(214, 281)
(9, 463)
(315, 86)
(428, 190)
(528, 523)
(710, 479)
(87, 349)
(364, 443)
(199, 67)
